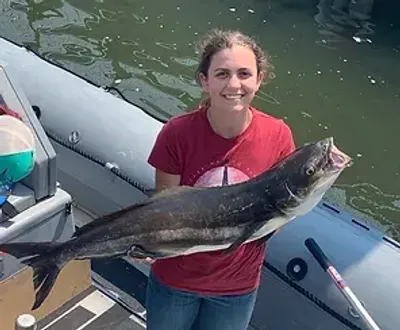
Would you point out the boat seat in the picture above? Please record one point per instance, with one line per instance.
(42, 181)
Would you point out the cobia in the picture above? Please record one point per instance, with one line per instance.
(185, 220)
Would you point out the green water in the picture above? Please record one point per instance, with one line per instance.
(325, 82)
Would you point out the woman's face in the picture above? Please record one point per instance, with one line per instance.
(232, 79)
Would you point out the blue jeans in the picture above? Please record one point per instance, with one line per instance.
(171, 309)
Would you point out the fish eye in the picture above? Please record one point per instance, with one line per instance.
(310, 170)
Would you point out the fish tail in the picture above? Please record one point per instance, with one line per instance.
(46, 262)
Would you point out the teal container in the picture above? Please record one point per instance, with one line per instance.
(15, 167)
(17, 150)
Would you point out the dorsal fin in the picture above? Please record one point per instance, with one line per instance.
(173, 191)
(108, 217)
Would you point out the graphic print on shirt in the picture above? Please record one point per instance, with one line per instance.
(221, 176)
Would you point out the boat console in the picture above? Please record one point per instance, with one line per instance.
(38, 210)
(41, 209)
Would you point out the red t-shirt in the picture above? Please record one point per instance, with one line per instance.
(188, 146)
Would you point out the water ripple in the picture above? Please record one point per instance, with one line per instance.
(374, 203)
(130, 70)
(337, 25)
(166, 45)
(144, 88)
(151, 98)
(139, 19)
(108, 15)
(62, 18)
(70, 47)
(266, 97)
(186, 61)
(14, 21)
(180, 83)
(142, 55)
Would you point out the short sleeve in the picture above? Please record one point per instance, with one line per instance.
(164, 155)
(287, 145)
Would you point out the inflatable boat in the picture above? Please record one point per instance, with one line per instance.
(92, 147)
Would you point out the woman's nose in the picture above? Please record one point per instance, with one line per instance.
(234, 81)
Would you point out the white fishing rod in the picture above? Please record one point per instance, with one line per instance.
(327, 266)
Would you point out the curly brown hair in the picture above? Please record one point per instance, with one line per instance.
(217, 40)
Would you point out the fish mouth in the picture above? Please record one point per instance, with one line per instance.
(337, 158)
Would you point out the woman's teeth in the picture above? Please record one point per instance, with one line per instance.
(232, 97)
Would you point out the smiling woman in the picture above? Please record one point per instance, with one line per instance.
(231, 70)
(223, 141)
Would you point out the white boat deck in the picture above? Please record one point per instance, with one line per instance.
(105, 305)
(92, 310)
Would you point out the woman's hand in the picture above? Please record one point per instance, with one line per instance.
(144, 260)
(163, 181)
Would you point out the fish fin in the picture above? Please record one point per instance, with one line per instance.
(176, 190)
(42, 258)
(26, 250)
(44, 278)
(245, 236)
(264, 239)
(108, 217)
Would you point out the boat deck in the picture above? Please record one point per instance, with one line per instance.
(91, 310)
(105, 305)
(102, 306)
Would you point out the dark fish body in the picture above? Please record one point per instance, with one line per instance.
(185, 220)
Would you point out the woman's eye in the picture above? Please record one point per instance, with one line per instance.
(244, 74)
(221, 74)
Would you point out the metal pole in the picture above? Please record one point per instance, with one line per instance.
(327, 266)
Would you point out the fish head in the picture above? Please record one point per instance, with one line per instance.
(309, 172)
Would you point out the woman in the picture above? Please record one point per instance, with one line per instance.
(224, 141)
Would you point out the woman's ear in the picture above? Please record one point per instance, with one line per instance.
(203, 81)
(260, 79)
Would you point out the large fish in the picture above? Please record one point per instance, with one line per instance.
(185, 220)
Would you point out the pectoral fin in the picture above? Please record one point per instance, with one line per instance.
(250, 230)
(265, 238)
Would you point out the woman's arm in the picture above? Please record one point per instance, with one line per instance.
(165, 180)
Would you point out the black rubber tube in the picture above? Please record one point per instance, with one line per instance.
(318, 254)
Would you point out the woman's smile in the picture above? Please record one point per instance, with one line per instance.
(233, 96)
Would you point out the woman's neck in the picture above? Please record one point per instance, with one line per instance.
(231, 125)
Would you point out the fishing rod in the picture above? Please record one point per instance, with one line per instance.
(327, 266)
